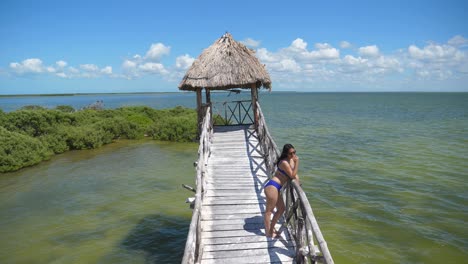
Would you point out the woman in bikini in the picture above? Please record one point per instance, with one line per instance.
(287, 166)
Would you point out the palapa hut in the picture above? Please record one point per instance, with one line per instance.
(224, 65)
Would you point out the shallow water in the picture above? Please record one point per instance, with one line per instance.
(122, 203)
(386, 175)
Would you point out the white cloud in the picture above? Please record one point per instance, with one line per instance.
(184, 62)
(323, 46)
(299, 44)
(266, 56)
(351, 64)
(434, 52)
(61, 64)
(458, 41)
(286, 65)
(152, 67)
(345, 45)
(369, 51)
(251, 43)
(73, 70)
(107, 70)
(62, 75)
(156, 51)
(128, 64)
(298, 50)
(89, 67)
(33, 65)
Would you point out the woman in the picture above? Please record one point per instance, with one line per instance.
(287, 165)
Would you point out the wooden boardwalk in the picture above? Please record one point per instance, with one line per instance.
(232, 229)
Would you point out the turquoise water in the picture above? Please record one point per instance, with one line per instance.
(386, 175)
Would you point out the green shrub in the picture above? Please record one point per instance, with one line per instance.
(119, 127)
(32, 107)
(65, 108)
(18, 151)
(183, 129)
(86, 137)
(35, 122)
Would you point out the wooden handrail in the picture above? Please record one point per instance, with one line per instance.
(234, 112)
(191, 252)
(299, 217)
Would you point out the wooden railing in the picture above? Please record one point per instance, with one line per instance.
(310, 245)
(234, 112)
(192, 246)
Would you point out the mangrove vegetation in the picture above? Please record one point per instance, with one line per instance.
(33, 133)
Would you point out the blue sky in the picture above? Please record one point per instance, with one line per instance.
(147, 46)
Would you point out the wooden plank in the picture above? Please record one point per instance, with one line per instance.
(254, 245)
(232, 233)
(240, 240)
(257, 260)
(253, 227)
(249, 220)
(227, 194)
(215, 217)
(257, 211)
(251, 184)
(227, 187)
(270, 252)
(239, 192)
(217, 201)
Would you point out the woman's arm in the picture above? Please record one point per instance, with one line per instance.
(287, 168)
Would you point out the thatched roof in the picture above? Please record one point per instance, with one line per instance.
(226, 64)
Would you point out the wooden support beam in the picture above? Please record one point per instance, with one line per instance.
(254, 95)
(208, 103)
(199, 110)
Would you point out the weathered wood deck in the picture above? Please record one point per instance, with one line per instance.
(232, 229)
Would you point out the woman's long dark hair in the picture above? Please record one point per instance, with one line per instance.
(285, 153)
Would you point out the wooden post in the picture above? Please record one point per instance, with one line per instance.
(208, 102)
(254, 95)
(199, 110)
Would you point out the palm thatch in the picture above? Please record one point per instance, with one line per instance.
(226, 64)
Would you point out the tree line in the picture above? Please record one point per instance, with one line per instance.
(33, 134)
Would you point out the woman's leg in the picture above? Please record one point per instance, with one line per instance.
(271, 194)
(279, 211)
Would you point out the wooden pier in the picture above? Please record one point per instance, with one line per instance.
(234, 162)
(227, 223)
(232, 228)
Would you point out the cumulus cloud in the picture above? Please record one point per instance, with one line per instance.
(434, 52)
(438, 61)
(152, 67)
(33, 65)
(458, 41)
(345, 45)
(61, 64)
(298, 50)
(369, 51)
(156, 51)
(107, 70)
(184, 62)
(89, 67)
(138, 66)
(368, 63)
(251, 43)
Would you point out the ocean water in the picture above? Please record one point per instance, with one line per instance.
(385, 173)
